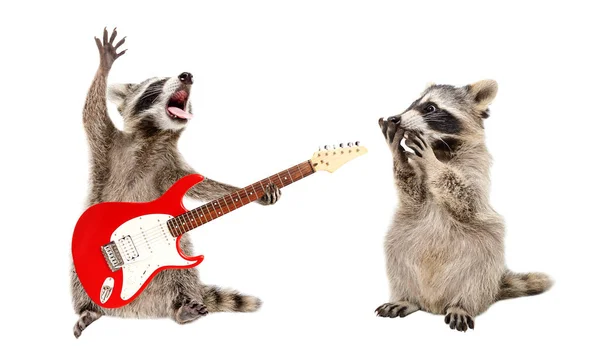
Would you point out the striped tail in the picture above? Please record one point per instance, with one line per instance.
(522, 284)
(223, 300)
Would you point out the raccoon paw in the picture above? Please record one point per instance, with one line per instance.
(393, 134)
(190, 311)
(459, 319)
(396, 309)
(422, 149)
(108, 50)
(85, 319)
(272, 195)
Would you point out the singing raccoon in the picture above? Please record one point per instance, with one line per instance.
(444, 249)
(139, 164)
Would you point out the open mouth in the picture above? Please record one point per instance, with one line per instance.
(177, 104)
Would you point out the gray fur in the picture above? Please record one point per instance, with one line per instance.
(445, 249)
(139, 164)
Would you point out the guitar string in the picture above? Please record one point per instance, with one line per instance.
(154, 234)
(139, 237)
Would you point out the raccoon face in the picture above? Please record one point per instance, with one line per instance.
(154, 104)
(447, 114)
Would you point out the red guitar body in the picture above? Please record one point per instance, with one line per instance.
(134, 239)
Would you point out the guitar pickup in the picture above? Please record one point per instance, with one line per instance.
(128, 250)
(112, 256)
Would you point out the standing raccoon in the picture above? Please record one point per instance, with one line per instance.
(139, 164)
(445, 249)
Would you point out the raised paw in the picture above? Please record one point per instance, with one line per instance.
(190, 311)
(396, 309)
(393, 134)
(422, 149)
(271, 196)
(108, 50)
(459, 319)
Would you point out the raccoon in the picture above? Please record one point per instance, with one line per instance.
(139, 164)
(444, 249)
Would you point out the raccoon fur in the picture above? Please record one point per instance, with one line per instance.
(139, 164)
(445, 246)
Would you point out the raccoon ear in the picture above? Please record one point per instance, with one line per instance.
(118, 92)
(427, 86)
(483, 92)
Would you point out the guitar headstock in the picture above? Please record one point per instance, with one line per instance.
(330, 158)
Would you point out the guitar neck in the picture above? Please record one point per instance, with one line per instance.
(219, 207)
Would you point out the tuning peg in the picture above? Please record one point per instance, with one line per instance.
(326, 147)
(350, 144)
(341, 145)
(357, 143)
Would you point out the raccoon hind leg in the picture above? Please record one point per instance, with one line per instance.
(85, 319)
(459, 319)
(186, 310)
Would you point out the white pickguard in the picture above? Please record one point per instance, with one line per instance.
(154, 247)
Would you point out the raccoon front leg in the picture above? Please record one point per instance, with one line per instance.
(209, 189)
(446, 184)
(99, 129)
(408, 180)
(396, 309)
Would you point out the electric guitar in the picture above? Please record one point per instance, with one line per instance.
(118, 247)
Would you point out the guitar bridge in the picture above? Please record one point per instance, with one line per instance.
(112, 256)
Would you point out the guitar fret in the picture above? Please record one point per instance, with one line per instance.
(226, 204)
(207, 213)
(270, 182)
(214, 209)
(170, 226)
(186, 221)
(203, 215)
(232, 201)
(240, 198)
(299, 169)
(280, 180)
(220, 211)
(195, 215)
(252, 185)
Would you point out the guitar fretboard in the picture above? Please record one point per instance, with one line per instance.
(219, 207)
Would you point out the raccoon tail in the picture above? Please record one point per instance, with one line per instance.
(224, 300)
(523, 284)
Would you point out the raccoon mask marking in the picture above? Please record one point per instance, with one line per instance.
(449, 115)
(156, 103)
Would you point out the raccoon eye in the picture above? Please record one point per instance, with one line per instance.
(430, 108)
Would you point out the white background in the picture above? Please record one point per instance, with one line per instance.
(273, 81)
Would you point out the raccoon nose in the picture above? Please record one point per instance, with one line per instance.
(186, 78)
(394, 119)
